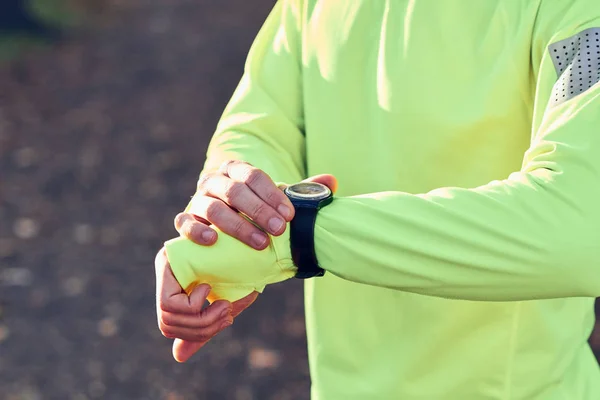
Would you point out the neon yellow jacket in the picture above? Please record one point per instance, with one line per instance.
(463, 248)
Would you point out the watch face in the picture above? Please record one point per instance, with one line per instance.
(309, 191)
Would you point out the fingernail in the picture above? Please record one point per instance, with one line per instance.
(208, 236)
(259, 239)
(275, 224)
(225, 312)
(284, 211)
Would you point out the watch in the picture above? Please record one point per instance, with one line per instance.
(307, 198)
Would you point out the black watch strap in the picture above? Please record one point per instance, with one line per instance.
(302, 238)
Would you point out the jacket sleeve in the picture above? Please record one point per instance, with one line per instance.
(263, 125)
(534, 235)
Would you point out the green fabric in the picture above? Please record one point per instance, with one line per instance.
(224, 266)
(463, 249)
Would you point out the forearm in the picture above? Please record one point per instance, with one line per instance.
(283, 162)
(263, 123)
(516, 239)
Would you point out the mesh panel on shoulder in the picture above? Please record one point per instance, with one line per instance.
(577, 63)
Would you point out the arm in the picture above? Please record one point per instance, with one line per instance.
(259, 138)
(263, 122)
(533, 235)
(262, 125)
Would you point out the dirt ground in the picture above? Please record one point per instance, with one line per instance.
(101, 140)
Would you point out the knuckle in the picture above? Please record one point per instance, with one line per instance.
(234, 190)
(238, 226)
(187, 228)
(214, 210)
(203, 182)
(167, 333)
(252, 176)
(197, 310)
(225, 166)
(163, 305)
(272, 196)
(166, 320)
(161, 257)
(258, 210)
(180, 219)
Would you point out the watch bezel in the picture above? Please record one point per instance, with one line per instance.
(292, 193)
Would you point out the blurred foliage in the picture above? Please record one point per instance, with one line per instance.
(59, 13)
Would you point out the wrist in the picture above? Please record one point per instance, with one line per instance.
(231, 268)
(282, 250)
(308, 199)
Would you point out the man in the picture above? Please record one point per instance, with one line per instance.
(462, 249)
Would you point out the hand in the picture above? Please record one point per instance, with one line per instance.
(238, 186)
(184, 318)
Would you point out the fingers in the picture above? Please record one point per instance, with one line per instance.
(225, 197)
(196, 334)
(195, 229)
(184, 317)
(236, 188)
(184, 349)
(229, 221)
(200, 329)
(216, 313)
(169, 294)
(242, 197)
(325, 179)
(262, 185)
(171, 297)
(193, 322)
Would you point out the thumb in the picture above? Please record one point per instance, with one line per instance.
(184, 349)
(167, 286)
(325, 179)
(242, 304)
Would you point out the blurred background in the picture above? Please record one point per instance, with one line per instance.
(103, 133)
(106, 109)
